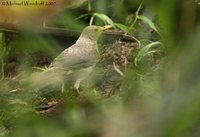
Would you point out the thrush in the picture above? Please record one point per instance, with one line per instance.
(81, 57)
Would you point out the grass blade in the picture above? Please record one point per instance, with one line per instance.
(148, 21)
(104, 18)
(143, 52)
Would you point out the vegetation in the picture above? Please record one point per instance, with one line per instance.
(145, 84)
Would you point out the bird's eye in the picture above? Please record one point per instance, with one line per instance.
(96, 30)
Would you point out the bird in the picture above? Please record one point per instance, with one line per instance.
(80, 58)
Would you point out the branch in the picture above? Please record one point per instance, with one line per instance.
(9, 27)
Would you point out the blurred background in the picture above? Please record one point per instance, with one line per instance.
(146, 83)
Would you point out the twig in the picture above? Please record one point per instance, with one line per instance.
(15, 90)
(118, 70)
(136, 15)
(9, 27)
(120, 34)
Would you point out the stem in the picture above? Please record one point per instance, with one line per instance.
(2, 69)
(89, 6)
(136, 15)
(91, 20)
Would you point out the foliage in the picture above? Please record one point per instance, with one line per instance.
(138, 86)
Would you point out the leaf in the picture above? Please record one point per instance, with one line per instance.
(144, 51)
(82, 16)
(104, 18)
(148, 21)
(122, 27)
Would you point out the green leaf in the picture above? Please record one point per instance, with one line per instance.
(104, 18)
(148, 21)
(144, 51)
(122, 27)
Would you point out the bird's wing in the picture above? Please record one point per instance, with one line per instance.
(75, 57)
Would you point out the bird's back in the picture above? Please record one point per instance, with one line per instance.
(77, 56)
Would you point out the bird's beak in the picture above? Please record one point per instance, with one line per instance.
(107, 27)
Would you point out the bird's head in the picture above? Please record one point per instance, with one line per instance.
(94, 32)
